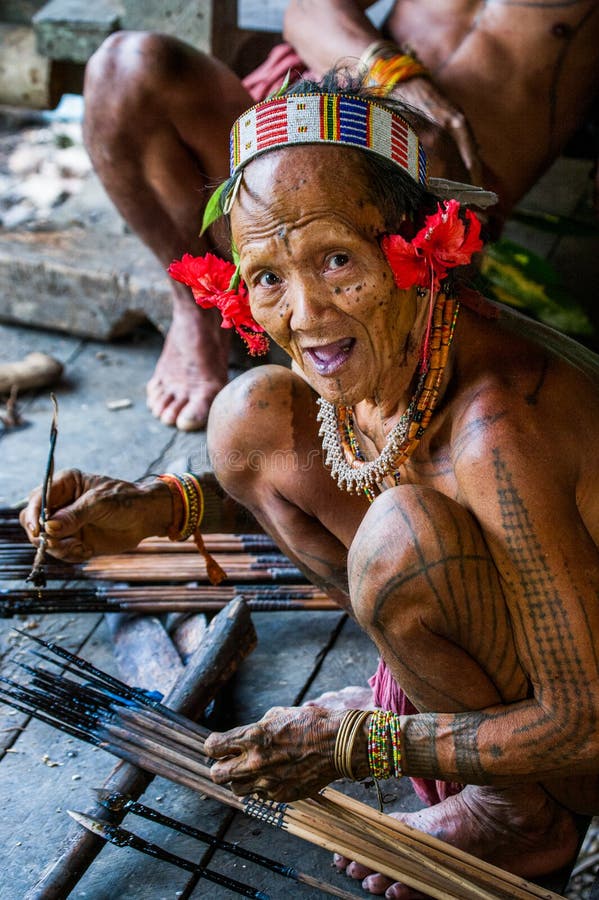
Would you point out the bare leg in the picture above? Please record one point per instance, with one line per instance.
(421, 584)
(157, 120)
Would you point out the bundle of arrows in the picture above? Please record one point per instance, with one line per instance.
(89, 704)
(158, 577)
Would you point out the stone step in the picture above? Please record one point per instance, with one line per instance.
(80, 281)
(72, 30)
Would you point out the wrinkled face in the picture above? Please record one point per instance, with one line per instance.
(308, 237)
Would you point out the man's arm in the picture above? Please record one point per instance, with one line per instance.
(520, 484)
(324, 32)
(332, 31)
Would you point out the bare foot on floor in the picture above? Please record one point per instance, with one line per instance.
(192, 368)
(352, 697)
(519, 829)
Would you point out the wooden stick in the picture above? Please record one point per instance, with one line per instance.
(417, 868)
(331, 821)
(399, 830)
(123, 838)
(121, 802)
(37, 576)
(154, 600)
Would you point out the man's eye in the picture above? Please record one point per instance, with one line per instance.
(337, 260)
(268, 279)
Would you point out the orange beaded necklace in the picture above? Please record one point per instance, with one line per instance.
(342, 451)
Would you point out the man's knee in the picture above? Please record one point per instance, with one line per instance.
(247, 423)
(405, 549)
(131, 66)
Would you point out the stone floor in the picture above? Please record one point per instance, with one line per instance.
(299, 655)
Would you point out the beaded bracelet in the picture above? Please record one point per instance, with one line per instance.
(384, 745)
(387, 65)
(349, 729)
(188, 488)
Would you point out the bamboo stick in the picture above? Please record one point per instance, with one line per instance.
(411, 835)
(330, 820)
(414, 861)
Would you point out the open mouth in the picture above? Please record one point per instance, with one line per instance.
(328, 358)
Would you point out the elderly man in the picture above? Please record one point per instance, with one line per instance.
(431, 461)
(511, 81)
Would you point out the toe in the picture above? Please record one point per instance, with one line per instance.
(158, 399)
(376, 884)
(193, 414)
(169, 410)
(193, 417)
(358, 871)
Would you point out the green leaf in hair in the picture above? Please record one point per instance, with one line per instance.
(213, 210)
(281, 90)
(236, 276)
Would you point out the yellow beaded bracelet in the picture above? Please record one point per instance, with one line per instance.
(387, 65)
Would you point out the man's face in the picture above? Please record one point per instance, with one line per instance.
(308, 238)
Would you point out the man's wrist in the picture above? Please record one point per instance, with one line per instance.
(168, 509)
(386, 65)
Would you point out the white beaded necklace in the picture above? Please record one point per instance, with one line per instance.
(367, 475)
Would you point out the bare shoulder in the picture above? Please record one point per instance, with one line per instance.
(528, 394)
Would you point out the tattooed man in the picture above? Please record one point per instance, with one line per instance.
(430, 460)
(510, 79)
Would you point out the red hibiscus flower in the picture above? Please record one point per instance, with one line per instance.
(209, 278)
(444, 242)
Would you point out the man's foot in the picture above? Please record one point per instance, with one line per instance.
(519, 829)
(192, 368)
(353, 697)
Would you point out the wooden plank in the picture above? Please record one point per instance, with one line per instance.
(36, 822)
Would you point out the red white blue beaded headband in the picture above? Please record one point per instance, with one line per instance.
(330, 119)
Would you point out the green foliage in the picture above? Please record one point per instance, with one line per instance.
(514, 275)
(213, 210)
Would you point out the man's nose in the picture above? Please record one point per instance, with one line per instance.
(308, 304)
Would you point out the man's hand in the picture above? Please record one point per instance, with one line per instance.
(285, 756)
(90, 515)
(422, 94)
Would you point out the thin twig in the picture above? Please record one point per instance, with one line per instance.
(37, 576)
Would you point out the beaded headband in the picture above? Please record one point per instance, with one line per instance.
(330, 119)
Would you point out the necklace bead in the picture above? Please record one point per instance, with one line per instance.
(339, 442)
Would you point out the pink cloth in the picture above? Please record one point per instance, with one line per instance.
(388, 695)
(270, 75)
